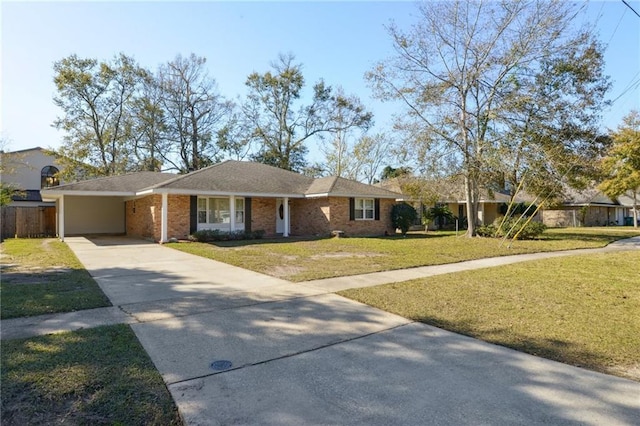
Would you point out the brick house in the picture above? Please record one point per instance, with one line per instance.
(588, 207)
(228, 196)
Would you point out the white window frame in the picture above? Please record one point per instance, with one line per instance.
(365, 207)
(210, 216)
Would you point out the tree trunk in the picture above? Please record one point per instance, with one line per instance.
(471, 206)
(635, 209)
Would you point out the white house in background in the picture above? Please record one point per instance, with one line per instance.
(29, 171)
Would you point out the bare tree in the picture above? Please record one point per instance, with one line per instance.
(368, 154)
(194, 112)
(456, 68)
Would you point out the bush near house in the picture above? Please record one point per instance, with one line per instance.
(403, 216)
(514, 227)
(210, 235)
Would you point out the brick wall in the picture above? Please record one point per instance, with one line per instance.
(310, 216)
(178, 215)
(316, 216)
(263, 215)
(144, 217)
(340, 219)
(595, 216)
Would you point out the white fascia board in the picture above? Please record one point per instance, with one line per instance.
(326, 194)
(216, 193)
(58, 194)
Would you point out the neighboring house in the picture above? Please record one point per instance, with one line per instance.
(450, 193)
(28, 172)
(588, 207)
(229, 196)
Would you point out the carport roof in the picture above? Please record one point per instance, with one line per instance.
(128, 184)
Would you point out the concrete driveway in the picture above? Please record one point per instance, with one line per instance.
(237, 347)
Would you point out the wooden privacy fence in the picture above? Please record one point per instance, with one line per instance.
(28, 222)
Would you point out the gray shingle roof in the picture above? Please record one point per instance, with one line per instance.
(341, 187)
(132, 182)
(231, 177)
(240, 177)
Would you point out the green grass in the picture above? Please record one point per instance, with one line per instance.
(43, 276)
(95, 376)
(580, 310)
(307, 259)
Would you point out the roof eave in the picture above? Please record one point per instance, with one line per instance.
(177, 191)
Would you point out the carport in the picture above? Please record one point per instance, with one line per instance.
(97, 206)
(84, 214)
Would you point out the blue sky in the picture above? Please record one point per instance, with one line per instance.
(338, 41)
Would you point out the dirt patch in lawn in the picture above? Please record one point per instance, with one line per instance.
(285, 272)
(345, 255)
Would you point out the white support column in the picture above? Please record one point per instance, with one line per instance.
(232, 213)
(164, 226)
(285, 203)
(61, 218)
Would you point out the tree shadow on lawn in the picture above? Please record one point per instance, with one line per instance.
(293, 239)
(29, 292)
(563, 351)
(83, 377)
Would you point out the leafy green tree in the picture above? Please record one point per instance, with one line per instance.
(551, 122)
(621, 165)
(403, 216)
(391, 172)
(96, 100)
(7, 166)
(280, 129)
(458, 68)
(151, 145)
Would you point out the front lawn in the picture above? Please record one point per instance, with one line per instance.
(580, 310)
(43, 276)
(95, 376)
(308, 259)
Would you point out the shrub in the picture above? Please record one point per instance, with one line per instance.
(512, 227)
(438, 214)
(403, 216)
(210, 235)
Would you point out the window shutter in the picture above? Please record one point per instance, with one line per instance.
(247, 214)
(376, 207)
(193, 214)
(352, 209)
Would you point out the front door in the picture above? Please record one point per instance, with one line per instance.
(280, 216)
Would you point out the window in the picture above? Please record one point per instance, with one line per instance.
(218, 211)
(49, 177)
(239, 210)
(202, 210)
(364, 209)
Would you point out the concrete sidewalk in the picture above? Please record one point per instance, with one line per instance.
(237, 347)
